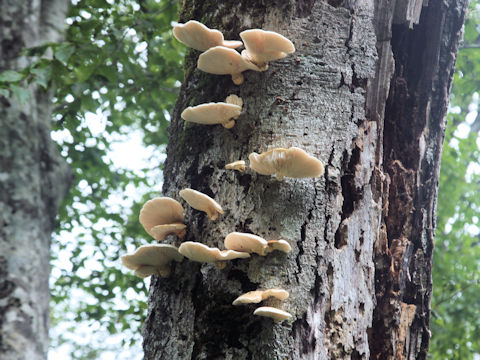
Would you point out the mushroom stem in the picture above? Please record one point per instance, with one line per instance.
(220, 265)
(229, 124)
(237, 78)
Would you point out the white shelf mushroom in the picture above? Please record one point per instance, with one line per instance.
(254, 297)
(215, 113)
(262, 46)
(152, 259)
(220, 60)
(276, 314)
(162, 216)
(196, 251)
(202, 202)
(291, 162)
(199, 37)
(254, 244)
(238, 165)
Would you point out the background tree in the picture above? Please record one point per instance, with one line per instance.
(33, 180)
(367, 93)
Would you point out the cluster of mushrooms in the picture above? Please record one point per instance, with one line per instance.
(165, 216)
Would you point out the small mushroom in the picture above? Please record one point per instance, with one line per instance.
(236, 165)
(202, 202)
(152, 259)
(199, 37)
(254, 244)
(161, 211)
(276, 314)
(280, 245)
(246, 243)
(160, 231)
(262, 46)
(215, 113)
(202, 253)
(254, 297)
(290, 162)
(220, 60)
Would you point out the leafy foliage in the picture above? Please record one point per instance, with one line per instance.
(455, 305)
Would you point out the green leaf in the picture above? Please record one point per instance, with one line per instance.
(11, 76)
(43, 75)
(63, 52)
(4, 93)
(20, 93)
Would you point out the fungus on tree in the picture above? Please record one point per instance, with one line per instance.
(215, 113)
(291, 162)
(246, 243)
(162, 211)
(254, 297)
(276, 314)
(220, 60)
(202, 202)
(263, 46)
(199, 37)
(254, 244)
(152, 259)
(238, 165)
(280, 245)
(196, 251)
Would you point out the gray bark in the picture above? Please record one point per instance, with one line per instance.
(359, 275)
(33, 180)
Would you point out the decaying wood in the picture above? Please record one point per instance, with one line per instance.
(33, 180)
(360, 94)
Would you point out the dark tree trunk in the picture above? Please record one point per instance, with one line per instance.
(33, 180)
(366, 92)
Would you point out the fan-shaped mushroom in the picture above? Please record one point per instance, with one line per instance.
(202, 202)
(199, 37)
(262, 46)
(259, 295)
(290, 162)
(152, 259)
(162, 211)
(202, 253)
(220, 60)
(215, 113)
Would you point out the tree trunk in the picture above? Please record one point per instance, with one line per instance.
(366, 92)
(33, 180)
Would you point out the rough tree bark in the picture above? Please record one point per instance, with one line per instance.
(33, 180)
(366, 92)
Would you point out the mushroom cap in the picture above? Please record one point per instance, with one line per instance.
(220, 60)
(276, 314)
(160, 231)
(263, 46)
(160, 211)
(201, 202)
(236, 165)
(202, 253)
(150, 259)
(234, 99)
(291, 162)
(212, 113)
(246, 243)
(199, 37)
(260, 295)
(281, 245)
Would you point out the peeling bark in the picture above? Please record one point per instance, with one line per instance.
(33, 180)
(359, 271)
